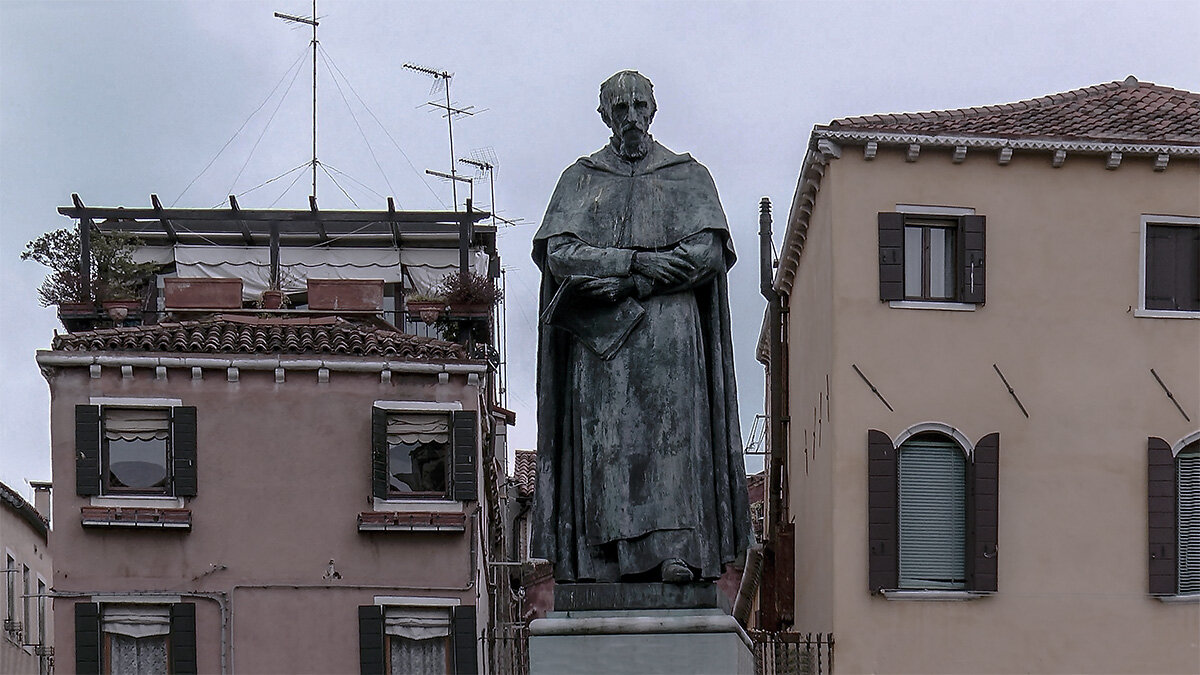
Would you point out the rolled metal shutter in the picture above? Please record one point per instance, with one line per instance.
(1188, 509)
(933, 518)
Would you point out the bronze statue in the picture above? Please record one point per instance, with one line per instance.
(640, 473)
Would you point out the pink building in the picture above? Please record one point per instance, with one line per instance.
(298, 491)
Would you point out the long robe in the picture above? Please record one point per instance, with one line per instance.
(639, 451)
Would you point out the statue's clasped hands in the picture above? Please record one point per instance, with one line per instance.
(666, 268)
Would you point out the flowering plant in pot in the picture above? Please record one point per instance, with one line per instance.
(469, 298)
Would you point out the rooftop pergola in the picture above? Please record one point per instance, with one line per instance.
(235, 226)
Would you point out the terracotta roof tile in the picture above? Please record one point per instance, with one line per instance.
(1123, 111)
(525, 472)
(229, 334)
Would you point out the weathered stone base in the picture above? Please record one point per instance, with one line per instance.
(641, 642)
(657, 595)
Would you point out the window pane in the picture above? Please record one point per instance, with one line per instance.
(419, 657)
(137, 464)
(138, 656)
(932, 515)
(942, 263)
(417, 467)
(1173, 267)
(912, 262)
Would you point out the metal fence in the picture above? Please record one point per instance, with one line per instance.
(509, 650)
(792, 653)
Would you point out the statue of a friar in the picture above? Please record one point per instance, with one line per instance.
(640, 473)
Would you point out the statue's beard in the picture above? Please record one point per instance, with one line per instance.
(633, 143)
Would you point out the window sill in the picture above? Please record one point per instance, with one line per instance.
(428, 521)
(139, 501)
(1165, 314)
(933, 304)
(153, 518)
(933, 596)
(1184, 598)
(402, 505)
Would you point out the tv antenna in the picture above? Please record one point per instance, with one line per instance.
(479, 160)
(441, 81)
(314, 23)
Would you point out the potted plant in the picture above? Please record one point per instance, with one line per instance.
(119, 281)
(469, 300)
(427, 307)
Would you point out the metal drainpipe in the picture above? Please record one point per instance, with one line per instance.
(775, 374)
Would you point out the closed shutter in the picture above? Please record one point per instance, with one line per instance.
(971, 276)
(891, 256)
(183, 638)
(87, 638)
(379, 453)
(984, 513)
(1162, 524)
(371, 653)
(881, 511)
(932, 515)
(1188, 468)
(183, 448)
(1172, 267)
(466, 661)
(87, 450)
(465, 434)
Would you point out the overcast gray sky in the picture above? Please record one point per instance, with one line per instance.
(117, 100)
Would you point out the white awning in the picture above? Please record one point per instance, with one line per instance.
(417, 427)
(136, 424)
(417, 268)
(138, 621)
(417, 623)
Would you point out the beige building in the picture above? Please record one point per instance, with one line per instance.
(306, 490)
(27, 645)
(986, 387)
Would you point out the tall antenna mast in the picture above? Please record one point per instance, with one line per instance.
(314, 23)
(442, 80)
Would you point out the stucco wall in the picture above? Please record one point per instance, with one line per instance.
(28, 547)
(284, 470)
(811, 434)
(1062, 256)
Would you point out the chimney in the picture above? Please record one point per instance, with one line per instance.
(41, 497)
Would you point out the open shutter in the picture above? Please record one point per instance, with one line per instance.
(466, 661)
(465, 434)
(379, 453)
(984, 514)
(971, 275)
(371, 654)
(87, 450)
(891, 256)
(883, 565)
(183, 448)
(1160, 488)
(87, 638)
(183, 638)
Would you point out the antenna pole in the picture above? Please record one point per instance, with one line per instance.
(450, 126)
(314, 145)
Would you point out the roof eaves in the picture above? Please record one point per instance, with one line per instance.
(24, 509)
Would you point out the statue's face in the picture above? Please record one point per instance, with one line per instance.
(628, 112)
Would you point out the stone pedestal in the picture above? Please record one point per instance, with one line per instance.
(586, 635)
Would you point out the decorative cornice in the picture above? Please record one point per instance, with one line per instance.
(857, 137)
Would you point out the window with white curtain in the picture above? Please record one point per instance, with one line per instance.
(135, 638)
(136, 454)
(418, 640)
(933, 514)
(418, 453)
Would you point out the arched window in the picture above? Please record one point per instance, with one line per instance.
(1187, 481)
(933, 513)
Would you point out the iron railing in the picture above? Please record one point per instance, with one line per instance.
(792, 653)
(508, 648)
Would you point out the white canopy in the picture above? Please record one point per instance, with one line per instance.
(417, 427)
(137, 620)
(417, 268)
(417, 623)
(136, 424)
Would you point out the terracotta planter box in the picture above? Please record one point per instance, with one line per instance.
(426, 310)
(202, 293)
(471, 311)
(364, 295)
(76, 310)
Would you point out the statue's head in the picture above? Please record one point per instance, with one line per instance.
(627, 106)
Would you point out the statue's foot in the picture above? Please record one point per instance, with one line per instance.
(675, 571)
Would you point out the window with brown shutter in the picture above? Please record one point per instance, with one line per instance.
(932, 258)
(1172, 267)
(424, 454)
(135, 450)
